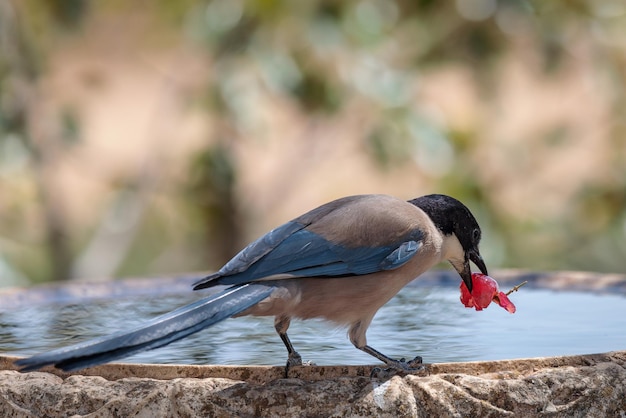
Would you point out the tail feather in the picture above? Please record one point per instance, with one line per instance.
(158, 332)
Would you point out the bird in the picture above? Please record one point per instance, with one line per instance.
(341, 262)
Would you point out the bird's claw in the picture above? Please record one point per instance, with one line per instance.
(294, 359)
(416, 362)
(399, 368)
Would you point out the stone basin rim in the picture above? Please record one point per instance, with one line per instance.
(265, 374)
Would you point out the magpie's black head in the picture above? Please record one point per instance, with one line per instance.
(452, 217)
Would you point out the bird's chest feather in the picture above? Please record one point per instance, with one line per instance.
(349, 299)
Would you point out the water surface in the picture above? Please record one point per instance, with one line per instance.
(422, 319)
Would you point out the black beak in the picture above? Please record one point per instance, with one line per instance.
(466, 273)
(474, 255)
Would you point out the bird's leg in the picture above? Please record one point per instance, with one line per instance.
(281, 324)
(294, 358)
(401, 365)
(357, 337)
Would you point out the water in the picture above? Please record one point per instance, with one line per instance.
(425, 320)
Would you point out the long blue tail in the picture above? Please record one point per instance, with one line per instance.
(156, 333)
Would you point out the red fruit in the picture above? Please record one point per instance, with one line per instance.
(484, 291)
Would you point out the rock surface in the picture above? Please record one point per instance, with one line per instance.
(572, 386)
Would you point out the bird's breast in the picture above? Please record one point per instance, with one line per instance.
(344, 300)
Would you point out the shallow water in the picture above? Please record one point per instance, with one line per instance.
(425, 320)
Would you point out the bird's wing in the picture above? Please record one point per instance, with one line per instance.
(294, 250)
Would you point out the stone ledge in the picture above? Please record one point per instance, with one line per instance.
(587, 385)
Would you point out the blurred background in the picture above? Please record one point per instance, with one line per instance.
(157, 137)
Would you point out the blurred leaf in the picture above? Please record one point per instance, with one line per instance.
(599, 206)
(385, 148)
(70, 125)
(211, 189)
(68, 13)
(315, 94)
(212, 173)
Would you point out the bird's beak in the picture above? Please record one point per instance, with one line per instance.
(466, 272)
(474, 255)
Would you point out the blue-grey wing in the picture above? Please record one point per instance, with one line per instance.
(306, 254)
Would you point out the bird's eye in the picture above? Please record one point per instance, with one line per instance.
(476, 235)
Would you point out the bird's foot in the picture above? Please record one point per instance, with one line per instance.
(399, 368)
(294, 359)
